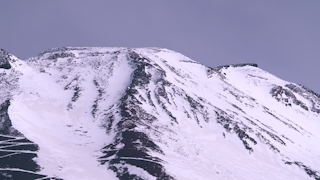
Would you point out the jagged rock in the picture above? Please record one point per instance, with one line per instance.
(4, 60)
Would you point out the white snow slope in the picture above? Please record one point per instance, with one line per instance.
(151, 113)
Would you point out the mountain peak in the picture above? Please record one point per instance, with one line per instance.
(152, 113)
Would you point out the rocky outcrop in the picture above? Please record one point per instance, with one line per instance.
(308, 94)
(136, 145)
(4, 60)
(287, 97)
(236, 65)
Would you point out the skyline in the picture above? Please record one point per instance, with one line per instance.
(280, 36)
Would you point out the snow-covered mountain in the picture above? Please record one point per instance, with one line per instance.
(151, 113)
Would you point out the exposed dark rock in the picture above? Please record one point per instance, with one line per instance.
(16, 152)
(287, 97)
(135, 145)
(4, 60)
(15, 174)
(61, 55)
(312, 173)
(234, 127)
(236, 65)
(307, 93)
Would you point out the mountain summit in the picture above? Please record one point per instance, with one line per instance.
(151, 113)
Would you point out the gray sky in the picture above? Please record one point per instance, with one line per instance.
(281, 36)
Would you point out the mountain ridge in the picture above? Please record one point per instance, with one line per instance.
(160, 114)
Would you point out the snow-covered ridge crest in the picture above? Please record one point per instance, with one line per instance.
(152, 113)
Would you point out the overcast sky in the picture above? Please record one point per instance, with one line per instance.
(281, 36)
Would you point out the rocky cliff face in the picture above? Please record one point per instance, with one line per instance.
(150, 113)
(4, 57)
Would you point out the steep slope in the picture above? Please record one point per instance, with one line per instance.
(16, 151)
(151, 113)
